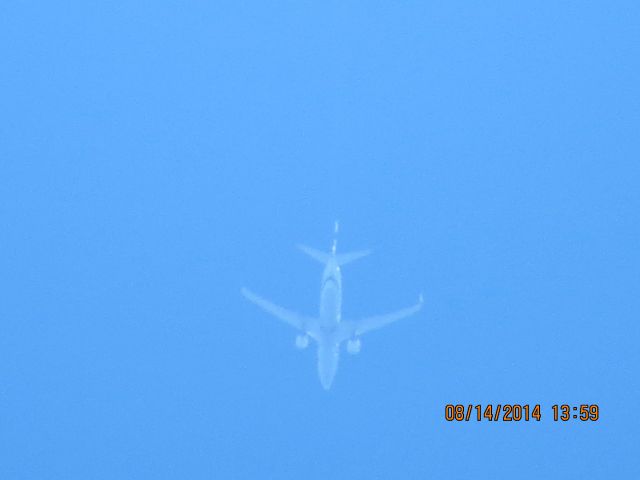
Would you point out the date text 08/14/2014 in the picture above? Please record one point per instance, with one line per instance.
(519, 412)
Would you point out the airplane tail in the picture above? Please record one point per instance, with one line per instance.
(340, 258)
(344, 258)
(315, 254)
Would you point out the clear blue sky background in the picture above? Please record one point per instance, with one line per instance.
(156, 156)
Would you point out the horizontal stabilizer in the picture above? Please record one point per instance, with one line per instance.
(344, 258)
(315, 254)
(340, 258)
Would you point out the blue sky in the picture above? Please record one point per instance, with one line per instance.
(157, 156)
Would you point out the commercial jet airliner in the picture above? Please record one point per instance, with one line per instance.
(328, 329)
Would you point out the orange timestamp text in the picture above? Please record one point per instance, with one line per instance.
(519, 412)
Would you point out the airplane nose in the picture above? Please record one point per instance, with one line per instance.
(326, 382)
(326, 376)
(327, 364)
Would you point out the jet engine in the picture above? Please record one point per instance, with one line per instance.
(353, 346)
(302, 341)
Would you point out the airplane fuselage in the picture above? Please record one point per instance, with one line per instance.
(331, 296)
(330, 314)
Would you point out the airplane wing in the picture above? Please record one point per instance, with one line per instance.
(296, 320)
(354, 328)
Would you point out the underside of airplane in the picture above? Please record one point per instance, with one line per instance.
(328, 329)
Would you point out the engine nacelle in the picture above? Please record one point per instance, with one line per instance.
(353, 346)
(302, 341)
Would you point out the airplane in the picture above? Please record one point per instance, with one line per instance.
(328, 329)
